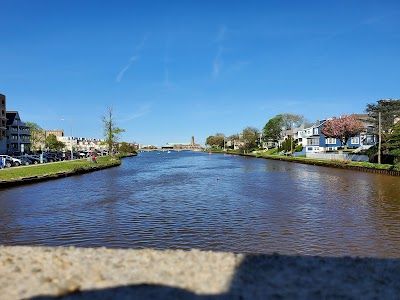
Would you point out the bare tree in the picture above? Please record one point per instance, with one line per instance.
(111, 131)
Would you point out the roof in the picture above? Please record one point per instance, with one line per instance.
(11, 115)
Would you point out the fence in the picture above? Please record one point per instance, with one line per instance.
(336, 156)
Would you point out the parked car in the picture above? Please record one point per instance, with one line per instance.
(49, 157)
(36, 159)
(25, 160)
(14, 161)
(8, 162)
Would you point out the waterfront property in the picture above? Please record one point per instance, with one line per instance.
(314, 141)
(18, 134)
(14, 133)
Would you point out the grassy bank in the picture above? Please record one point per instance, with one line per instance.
(359, 166)
(56, 169)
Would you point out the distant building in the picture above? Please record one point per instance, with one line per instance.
(56, 132)
(183, 146)
(82, 144)
(40, 143)
(147, 147)
(18, 134)
(3, 125)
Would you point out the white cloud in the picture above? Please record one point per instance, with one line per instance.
(141, 112)
(126, 68)
(218, 62)
(132, 60)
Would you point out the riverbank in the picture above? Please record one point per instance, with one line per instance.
(350, 165)
(35, 173)
(101, 273)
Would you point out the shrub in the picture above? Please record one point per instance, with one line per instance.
(299, 148)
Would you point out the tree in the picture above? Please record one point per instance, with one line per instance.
(111, 131)
(288, 144)
(53, 144)
(126, 148)
(250, 138)
(390, 113)
(393, 142)
(290, 121)
(389, 109)
(37, 137)
(216, 140)
(273, 129)
(343, 128)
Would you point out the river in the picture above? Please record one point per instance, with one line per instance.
(216, 202)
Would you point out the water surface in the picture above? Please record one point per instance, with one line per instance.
(216, 202)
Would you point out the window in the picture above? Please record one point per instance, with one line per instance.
(313, 141)
(315, 131)
(330, 141)
(355, 140)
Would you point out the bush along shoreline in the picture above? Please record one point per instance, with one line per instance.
(36, 173)
(387, 169)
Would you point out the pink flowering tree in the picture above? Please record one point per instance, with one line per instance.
(343, 128)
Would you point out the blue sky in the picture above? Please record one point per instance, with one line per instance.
(173, 69)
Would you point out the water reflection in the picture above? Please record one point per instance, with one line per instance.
(218, 202)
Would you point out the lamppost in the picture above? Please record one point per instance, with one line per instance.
(70, 123)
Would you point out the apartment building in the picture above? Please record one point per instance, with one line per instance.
(3, 126)
(18, 134)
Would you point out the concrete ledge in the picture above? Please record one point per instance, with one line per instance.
(87, 273)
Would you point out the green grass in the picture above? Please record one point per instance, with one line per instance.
(16, 173)
(273, 154)
(331, 163)
(227, 151)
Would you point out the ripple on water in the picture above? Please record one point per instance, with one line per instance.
(215, 202)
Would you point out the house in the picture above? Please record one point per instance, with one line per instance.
(18, 134)
(314, 141)
(310, 138)
(235, 142)
(295, 133)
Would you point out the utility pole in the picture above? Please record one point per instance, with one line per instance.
(291, 140)
(70, 141)
(380, 138)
